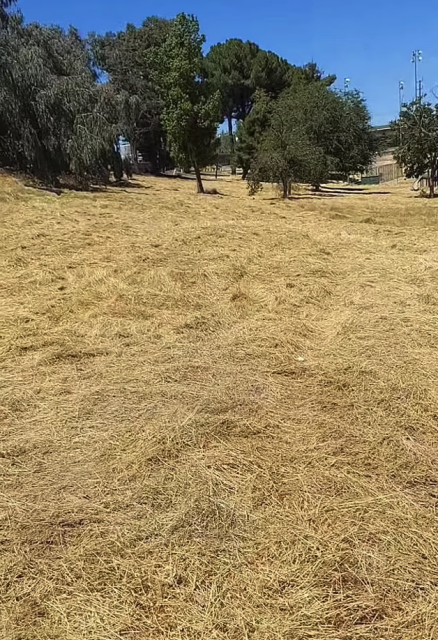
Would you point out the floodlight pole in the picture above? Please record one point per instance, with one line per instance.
(401, 88)
(346, 85)
(416, 58)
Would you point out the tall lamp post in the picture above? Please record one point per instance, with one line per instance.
(417, 56)
(401, 88)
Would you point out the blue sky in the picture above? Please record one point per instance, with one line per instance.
(370, 42)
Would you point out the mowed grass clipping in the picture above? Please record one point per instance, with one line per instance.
(219, 414)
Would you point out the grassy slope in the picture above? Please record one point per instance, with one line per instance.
(218, 415)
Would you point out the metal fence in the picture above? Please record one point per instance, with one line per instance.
(386, 172)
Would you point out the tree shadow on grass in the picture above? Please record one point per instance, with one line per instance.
(330, 192)
(213, 192)
(311, 196)
(128, 184)
(178, 176)
(346, 191)
(320, 195)
(125, 185)
(192, 178)
(208, 177)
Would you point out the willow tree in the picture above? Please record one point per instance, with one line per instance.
(5, 6)
(54, 117)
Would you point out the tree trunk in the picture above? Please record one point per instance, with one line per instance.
(285, 188)
(289, 188)
(117, 166)
(245, 171)
(432, 182)
(230, 133)
(134, 157)
(162, 155)
(199, 185)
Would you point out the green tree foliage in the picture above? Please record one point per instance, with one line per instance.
(306, 134)
(286, 152)
(311, 73)
(250, 132)
(5, 6)
(340, 125)
(54, 118)
(308, 85)
(320, 111)
(416, 132)
(191, 112)
(125, 58)
(355, 142)
(237, 70)
(229, 66)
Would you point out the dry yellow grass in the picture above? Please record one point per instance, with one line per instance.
(219, 415)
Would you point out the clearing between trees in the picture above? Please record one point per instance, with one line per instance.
(219, 414)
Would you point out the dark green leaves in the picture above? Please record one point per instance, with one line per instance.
(52, 117)
(416, 133)
(126, 60)
(191, 110)
(304, 135)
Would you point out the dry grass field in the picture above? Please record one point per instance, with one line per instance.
(218, 414)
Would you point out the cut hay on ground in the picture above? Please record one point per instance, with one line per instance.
(218, 415)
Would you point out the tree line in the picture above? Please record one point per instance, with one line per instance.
(65, 102)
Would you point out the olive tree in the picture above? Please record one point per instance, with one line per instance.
(417, 134)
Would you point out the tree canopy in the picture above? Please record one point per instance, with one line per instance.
(237, 69)
(250, 132)
(416, 132)
(356, 144)
(191, 110)
(287, 150)
(304, 135)
(124, 58)
(5, 5)
(54, 117)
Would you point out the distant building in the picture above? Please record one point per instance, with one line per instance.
(384, 137)
(384, 167)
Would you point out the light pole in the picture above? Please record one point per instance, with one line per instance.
(401, 88)
(346, 84)
(417, 56)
